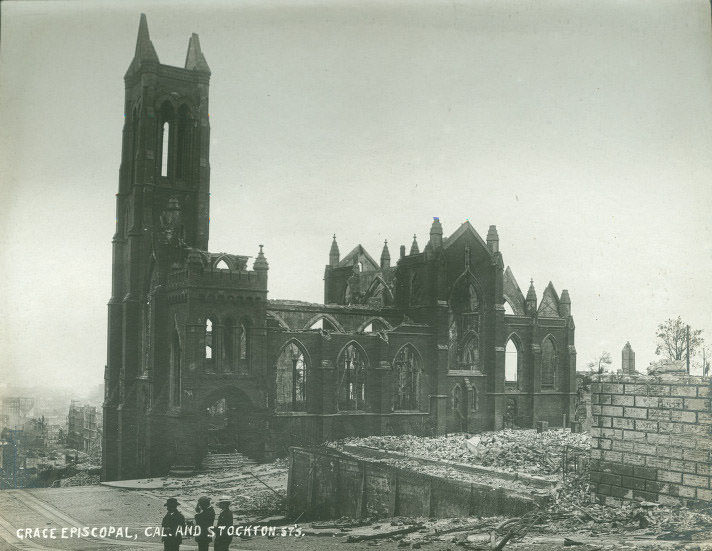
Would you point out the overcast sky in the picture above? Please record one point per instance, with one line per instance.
(583, 130)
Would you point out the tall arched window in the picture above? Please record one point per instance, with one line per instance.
(470, 357)
(458, 407)
(351, 383)
(228, 338)
(291, 383)
(471, 312)
(417, 289)
(324, 324)
(209, 343)
(183, 138)
(453, 359)
(175, 380)
(165, 133)
(512, 360)
(165, 137)
(347, 294)
(245, 345)
(549, 364)
(407, 373)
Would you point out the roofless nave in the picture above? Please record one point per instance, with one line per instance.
(199, 358)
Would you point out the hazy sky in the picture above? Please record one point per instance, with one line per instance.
(583, 130)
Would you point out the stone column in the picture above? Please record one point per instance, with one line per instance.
(328, 389)
(536, 379)
(438, 413)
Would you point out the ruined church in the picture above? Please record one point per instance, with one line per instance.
(438, 339)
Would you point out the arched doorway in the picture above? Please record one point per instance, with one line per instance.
(232, 422)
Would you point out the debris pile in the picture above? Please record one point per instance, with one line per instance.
(255, 490)
(527, 451)
(82, 478)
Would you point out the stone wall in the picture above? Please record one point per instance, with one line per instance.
(651, 438)
(328, 484)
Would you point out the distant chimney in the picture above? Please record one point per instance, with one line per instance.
(628, 360)
(565, 304)
(493, 239)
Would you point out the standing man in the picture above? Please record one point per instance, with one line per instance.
(222, 537)
(204, 518)
(172, 526)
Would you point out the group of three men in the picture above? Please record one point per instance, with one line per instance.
(204, 518)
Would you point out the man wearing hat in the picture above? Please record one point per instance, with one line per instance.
(204, 517)
(222, 537)
(171, 522)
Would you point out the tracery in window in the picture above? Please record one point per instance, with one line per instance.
(407, 373)
(291, 383)
(549, 363)
(351, 383)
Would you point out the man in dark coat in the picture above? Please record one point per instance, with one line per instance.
(170, 525)
(204, 518)
(223, 529)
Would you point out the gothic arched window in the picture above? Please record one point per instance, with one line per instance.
(512, 361)
(351, 382)
(244, 345)
(183, 136)
(291, 382)
(407, 373)
(470, 357)
(471, 310)
(452, 344)
(458, 407)
(209, 342)
(549, 364)
(416, 289)
(165, 138)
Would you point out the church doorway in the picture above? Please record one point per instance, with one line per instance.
(232, 423)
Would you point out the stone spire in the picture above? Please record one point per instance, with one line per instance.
(565, 304)
(260, 262)
(385, 256)
(531, 298)
(334, 253)
(414, 247)
(194, 59)
(493, 239)
(436, 233)
(145, 52)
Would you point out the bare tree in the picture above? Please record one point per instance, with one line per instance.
(672, 339)
(600, 363)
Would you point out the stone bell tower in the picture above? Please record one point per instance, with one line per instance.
(163, 197)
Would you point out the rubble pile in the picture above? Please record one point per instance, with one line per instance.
(82, 478)
(255, 490)
(512, 450)
(571, 513)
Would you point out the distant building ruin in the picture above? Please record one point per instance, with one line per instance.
(628, 360)
(83, 428)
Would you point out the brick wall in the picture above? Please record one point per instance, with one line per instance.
(651, 438)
